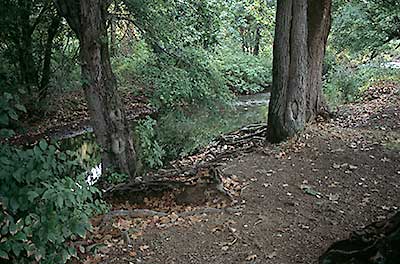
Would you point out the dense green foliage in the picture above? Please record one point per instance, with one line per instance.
(150, 152)
(346, 82)
(365, 35)
(45, 202)
(29, 30)
(10, 109)
(366, 27)
(244, 73)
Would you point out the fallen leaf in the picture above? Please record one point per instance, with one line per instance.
(144, 248)
(251, 257)
(333, 197)
(353, 167)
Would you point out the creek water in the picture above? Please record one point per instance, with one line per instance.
(245, 110)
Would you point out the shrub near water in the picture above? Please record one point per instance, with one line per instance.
(244, 73)
(44, 202)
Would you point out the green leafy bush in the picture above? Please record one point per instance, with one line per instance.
(244, 73)
(116, 178)
(345, 82)
(45, 202)
(188, 79)
(150, 152)
(10, 109)
(127, 67)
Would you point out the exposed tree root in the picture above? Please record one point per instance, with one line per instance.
(200, 169)
(378, 243)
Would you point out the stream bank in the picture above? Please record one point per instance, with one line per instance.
(295, 199)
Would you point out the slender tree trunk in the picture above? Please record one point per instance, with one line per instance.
(288, 98)
(46, 71)
(257, 41)
(319, 23)
(88, 19)
(242, 36)
(112, 31)
(112, 38)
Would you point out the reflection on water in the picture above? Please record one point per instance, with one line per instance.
(252, 100)
(247, 109)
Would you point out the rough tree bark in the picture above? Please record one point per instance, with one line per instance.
(301, 33)
(87, 18)
(28, 70)
(287, 114)
(319, 24)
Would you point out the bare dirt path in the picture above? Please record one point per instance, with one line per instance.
(295, 198)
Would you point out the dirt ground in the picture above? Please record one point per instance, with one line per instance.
(295, 199)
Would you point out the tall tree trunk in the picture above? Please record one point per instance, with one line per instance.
(257, 41)
(112, 23)
(319, 23)
(88, 19)
(28, 70)
(46, 71)
(287, 114)
(243, 38)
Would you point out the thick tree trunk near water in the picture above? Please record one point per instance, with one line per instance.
(88, 19)
(287, 109)
(301, 33)
(319, 24)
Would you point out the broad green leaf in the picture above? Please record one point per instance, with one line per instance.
(12, 229)
(5, 133)
(20, 107)
(4, 120)
(80, 230)
(17, 248)
(13, 115)
(43, 144)
(32, 195)
(60, 201)
(3, 254)
(8, 96)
